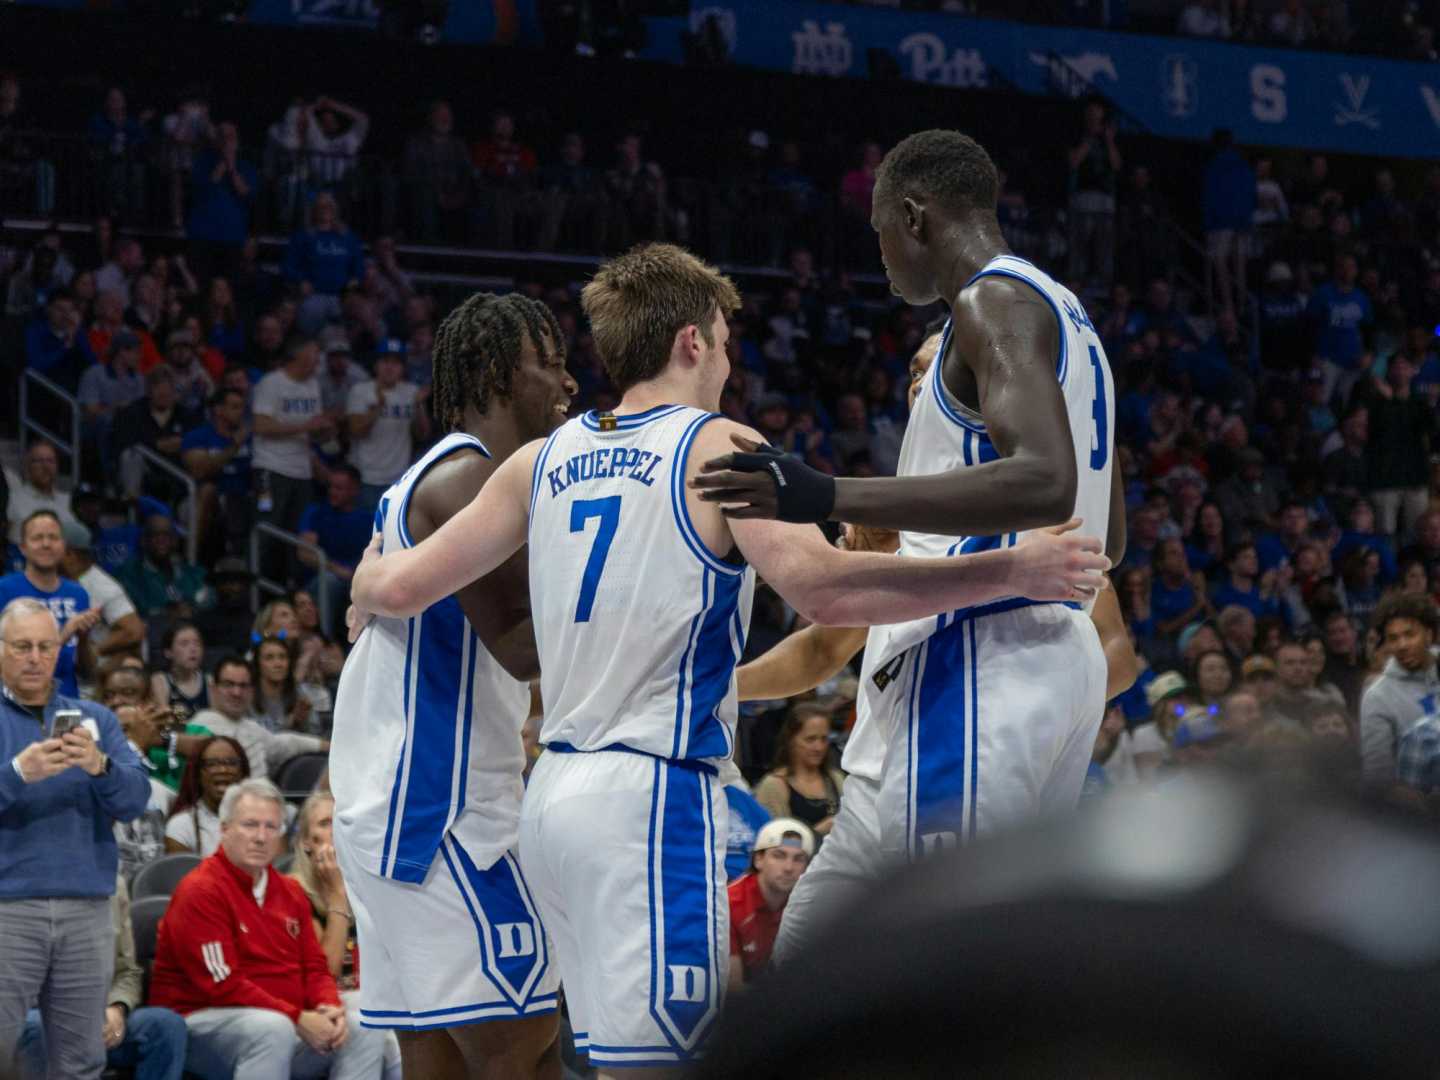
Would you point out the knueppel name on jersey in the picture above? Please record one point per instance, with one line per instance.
(603, 463)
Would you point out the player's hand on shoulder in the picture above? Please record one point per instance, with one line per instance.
(760, 481)
(1053, 564)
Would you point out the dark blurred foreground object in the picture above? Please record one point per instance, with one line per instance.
(1199, 930)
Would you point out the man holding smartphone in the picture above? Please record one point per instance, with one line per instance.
(66, 775)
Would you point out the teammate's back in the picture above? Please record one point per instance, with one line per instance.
(639, 626)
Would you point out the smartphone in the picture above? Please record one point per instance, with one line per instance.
(65, 720)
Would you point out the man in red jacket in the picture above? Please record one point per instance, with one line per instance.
(238, 958)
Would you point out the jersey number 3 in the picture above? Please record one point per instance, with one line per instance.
(581, 511)
(1100, 437)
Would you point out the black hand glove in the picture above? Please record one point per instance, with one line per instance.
(765, 483)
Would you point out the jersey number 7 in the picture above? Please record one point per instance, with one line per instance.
(581, 511)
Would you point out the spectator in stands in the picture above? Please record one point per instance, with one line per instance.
(1176, 597)
(42, 544)
(120, 630)
(267, 345)
(222, 326)
(507, 171)
(339, 374)
(287, 412)
(194, 821)
(802, 784)
(58, 862)
(1095, 165)
(332, 133)
(35, 489)
(386, 417)
(226, 625)
(320, 261)
(119, 273)
(107, 388)
(109, 320)
(1344, 664)
(158, 579)
(182, 686)
(283, 702)
(1417, 761)
(437, 171)
(252, 989)
(119, 138)
(1284, 545)
(151, 1041)
(1407, 688)
(783, 849)
(31, 287)
(146, 729)
(1236, 626)
(56, 346)
(1297, 694)
(193, 385)
(573, 199)
(1212, 677)
(222, 192)
(638, 193)
(341, 526)
(1242, 584)
(21, 162)
(1344, 468)
(1401, 428)
(1342, 316)
(218, 455)
(1240, 714)
(157, 422)
(1229, 211)
(1426, 549)
(233, 714)
(147, 308)
(321, 658)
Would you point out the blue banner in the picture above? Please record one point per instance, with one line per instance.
(475, 22)
(1177, 87)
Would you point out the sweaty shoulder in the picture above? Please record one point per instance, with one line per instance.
(713, 440)
(996, 297)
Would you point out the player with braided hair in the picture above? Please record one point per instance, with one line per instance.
(428, 780)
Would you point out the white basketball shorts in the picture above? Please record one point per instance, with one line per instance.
(999, 714)
(463, 946)
(626, 856)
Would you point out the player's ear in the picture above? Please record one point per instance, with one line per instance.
(914, 216)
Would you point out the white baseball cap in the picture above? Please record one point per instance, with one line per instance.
(785, 832)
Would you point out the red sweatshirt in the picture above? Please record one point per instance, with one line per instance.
(218, 949)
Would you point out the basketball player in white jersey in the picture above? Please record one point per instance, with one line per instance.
(983, 717)
(641, 598)
(426, 760)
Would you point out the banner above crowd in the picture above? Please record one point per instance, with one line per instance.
(1176, 87)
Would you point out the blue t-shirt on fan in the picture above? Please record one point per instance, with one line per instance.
(343, 534)
(67, 601)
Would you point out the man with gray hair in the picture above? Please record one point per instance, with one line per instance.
(237, 956)
(68, 775)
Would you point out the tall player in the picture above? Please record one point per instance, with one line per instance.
(426, 760)
(641, 595)
(987, 715)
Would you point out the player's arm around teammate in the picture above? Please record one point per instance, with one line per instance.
(826, 586)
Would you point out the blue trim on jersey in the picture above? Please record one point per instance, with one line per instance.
(682, 923)
(681, 510)
(712, 671)
(630, 421)
(406, 742)
(974, 727)
(621, 748)
(478, 1014)
(683, 677)
(402, 514)
(1062, 362)
(538, 471)
(918, 653)
(457, 801)
(430, 783)
(942, 395)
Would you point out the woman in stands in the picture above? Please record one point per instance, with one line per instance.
(314, 867)
(281, 700)
(803, 784)
(194, 823)
(183, 685)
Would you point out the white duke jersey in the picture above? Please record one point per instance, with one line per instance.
(639, 625)
(944, 435)
(427, 725)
